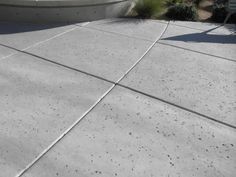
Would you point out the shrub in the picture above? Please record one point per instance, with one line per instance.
(169, 3)
(182, 12)
(197, 2)
(219, 12)
(147, 8)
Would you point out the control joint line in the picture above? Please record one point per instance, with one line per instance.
(88, 111)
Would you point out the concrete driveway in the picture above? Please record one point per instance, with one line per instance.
(118, 97)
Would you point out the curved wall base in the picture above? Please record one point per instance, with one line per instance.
(64, 14)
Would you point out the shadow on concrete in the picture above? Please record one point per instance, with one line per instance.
(128, 20)
(205, 37)
(12, 28)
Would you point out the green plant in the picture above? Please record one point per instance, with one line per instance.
(182, 11)
(147, 8)
(169, 3)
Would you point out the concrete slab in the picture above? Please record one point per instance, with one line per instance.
(38, 102)
(4, 51)
(22, 35)
(195, 81)
(211, 43)
(138, 28)
(215, 27)
(102, 21)
(103, 54)
(129, 134)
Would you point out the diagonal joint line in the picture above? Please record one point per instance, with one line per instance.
(116, 33)
(141, 58)
(59, 64)
(178, 106)
(88, 111)
(117, 83)
(203, 53)
(43, 41)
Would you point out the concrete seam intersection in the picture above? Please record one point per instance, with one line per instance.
(89, 110)
(203, 53)
(178, 106)
(127, 87)
(124, 86)
(58, 64)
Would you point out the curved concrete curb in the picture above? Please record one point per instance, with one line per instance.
(38, 11)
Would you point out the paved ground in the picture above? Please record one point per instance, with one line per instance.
(118, 97)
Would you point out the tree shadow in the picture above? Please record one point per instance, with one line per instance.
(205, 37)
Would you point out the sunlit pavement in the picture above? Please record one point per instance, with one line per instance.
(118, 97)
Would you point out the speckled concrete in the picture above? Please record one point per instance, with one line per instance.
(129, 134)
(126, 134)
(142, 29)
(103, 54)
(195, 81)
(21, 36)
(219, 44)
(38, 101)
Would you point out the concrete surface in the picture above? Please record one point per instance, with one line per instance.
(172, 114)
(217, 27)
(4, 51)
(201, 83)
(107, 55)
(22, 35)
(137, 28)
(129, 134)
(39, 101)
(219, 44)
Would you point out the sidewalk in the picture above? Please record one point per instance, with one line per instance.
(118, 97)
